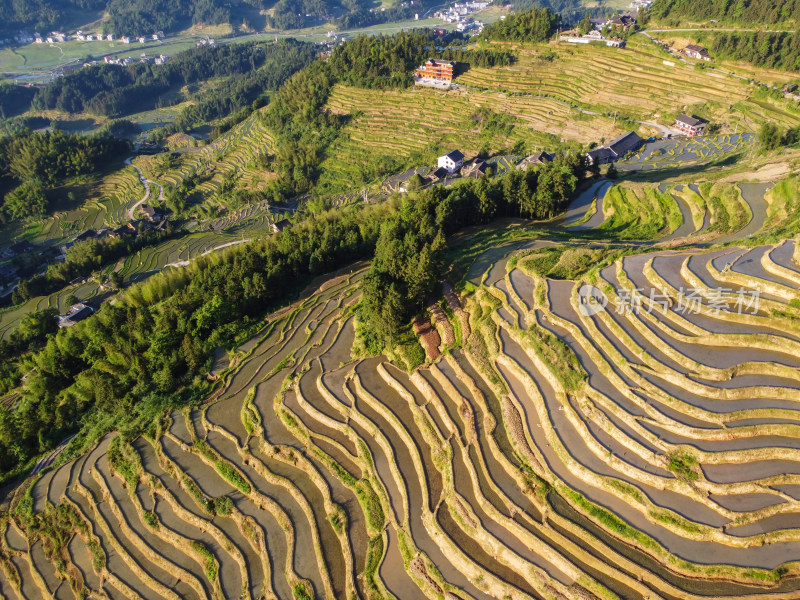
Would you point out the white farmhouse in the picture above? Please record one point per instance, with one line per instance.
(452, 161)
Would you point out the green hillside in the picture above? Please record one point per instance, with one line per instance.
(740, 12)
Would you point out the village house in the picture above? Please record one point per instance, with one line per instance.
(18, 248)
(436, 71)
(623, 21)
(439, 174)
(476, 168)
(279, 226)
(78, 312)
(128, 229)
(110, 37)
(689, 125)
(616, 149)
(452, 161)
(540, 158)
(150, 213)
(695, 51)
(126, 39)
(592, 36)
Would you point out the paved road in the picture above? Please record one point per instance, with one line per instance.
(146, 183)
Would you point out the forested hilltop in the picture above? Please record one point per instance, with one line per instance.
(109, 90)
(742, 12)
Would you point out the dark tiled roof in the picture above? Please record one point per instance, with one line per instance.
(477, 167)
(599, 154)
(687, 120)
(455, 155)
(696, 48)
(625, 143)
(439, 173)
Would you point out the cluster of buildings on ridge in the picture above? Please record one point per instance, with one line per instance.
(56, 37)
(459, 12)
(630, 142)
(452, 165)
(124, 62)
(616, 23)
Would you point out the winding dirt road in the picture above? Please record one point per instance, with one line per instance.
(146, 183)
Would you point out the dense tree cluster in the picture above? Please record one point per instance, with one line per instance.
(14, 99)
(535, 25)
(243, 90)
(41, 15)
(30, 335)
(112, 90)
(30, 162)
(385, 62)
(408, 262)
(763, 49)
(294, 14)
(303, 128)
(363, 17)
(349, 14)
(772, 137)
(740, 11)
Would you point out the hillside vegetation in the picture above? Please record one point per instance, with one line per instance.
(763, 49)
(742, 12)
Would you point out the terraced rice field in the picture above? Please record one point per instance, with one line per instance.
(633, 81)
(175, 252)
(232, 155)
(547, 449)
(10, 317)
(685, 151)
(671, 213)
(420, 120)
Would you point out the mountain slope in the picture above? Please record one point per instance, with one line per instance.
(741, 12)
